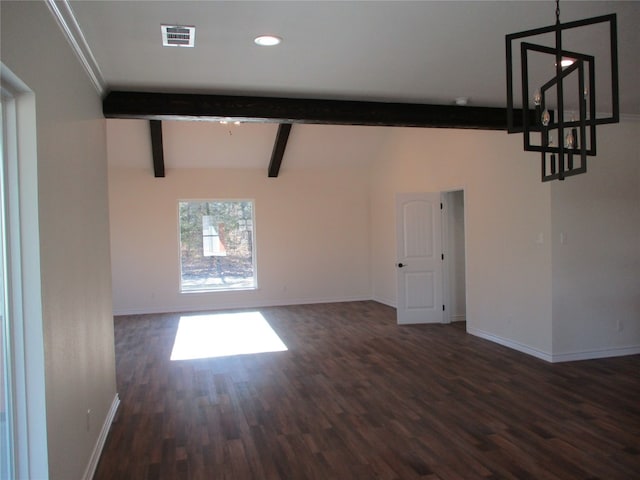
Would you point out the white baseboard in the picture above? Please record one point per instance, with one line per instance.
(97, 449)
(457, 318)
(557, 357)
(520, 347)
(593, 354)
(236, 305)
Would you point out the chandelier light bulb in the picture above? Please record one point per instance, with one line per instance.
(537, 98)
(546, 118)
(570, 140)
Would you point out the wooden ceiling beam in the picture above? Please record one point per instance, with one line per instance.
(157, 148)
(278, 149)
(180, 106)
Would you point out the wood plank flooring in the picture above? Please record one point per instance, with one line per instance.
(358, 397)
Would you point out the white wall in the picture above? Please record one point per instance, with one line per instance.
(524, 288)
(341, 212)
(74, 234)
(507, 208)
(596, 271)
(311, 230)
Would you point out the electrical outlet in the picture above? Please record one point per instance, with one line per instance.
(619, 325)
(88, 419)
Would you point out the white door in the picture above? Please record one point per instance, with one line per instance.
(419, 258)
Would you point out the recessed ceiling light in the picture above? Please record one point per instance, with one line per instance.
(567, 62)
(267, 40)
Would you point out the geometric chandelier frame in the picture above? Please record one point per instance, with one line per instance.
(564, 129)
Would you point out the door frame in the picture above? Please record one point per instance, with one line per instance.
(27, 356)
(447, 296)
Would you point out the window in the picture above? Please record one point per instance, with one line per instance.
(216, 245)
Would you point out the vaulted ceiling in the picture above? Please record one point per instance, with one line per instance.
(419, 52)
(389, 53)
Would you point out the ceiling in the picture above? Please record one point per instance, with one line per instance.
(419, 52)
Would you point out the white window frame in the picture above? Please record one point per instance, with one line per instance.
(254, 247)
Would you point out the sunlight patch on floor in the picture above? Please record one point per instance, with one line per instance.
(224, 334)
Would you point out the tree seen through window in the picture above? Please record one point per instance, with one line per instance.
(216, 245)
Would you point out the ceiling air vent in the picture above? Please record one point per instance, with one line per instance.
(178, 36)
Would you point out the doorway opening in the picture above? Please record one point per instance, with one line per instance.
(454, 262)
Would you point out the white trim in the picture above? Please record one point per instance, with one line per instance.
(520, 347)
(69, 25)
(444, 248)
(557, 357)
(448, 316)
(27, 337)
(97, 449)
(594, 354)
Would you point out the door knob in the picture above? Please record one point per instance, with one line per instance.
(401, 265)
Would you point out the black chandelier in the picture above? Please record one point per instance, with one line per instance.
(558, 91)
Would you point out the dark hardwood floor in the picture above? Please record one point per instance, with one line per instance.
(358, 397)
